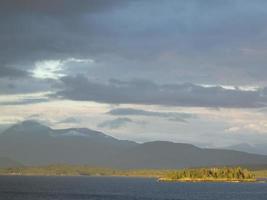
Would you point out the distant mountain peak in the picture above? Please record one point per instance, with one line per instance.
(250, 148)
(31, 123)
(35, 144)
(27, 127)
(35, 128)
(169, 143)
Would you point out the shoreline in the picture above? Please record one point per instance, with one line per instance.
(223, 174)
(158, 179)
(211, 180)
(81, 175)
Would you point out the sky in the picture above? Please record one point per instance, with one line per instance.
(184, 71)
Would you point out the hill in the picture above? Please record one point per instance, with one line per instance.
(256, 149)
(35, 144)
(7, 162)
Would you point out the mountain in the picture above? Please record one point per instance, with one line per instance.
(6, 162)
(257, 149)
(168, 155)
(35, 144)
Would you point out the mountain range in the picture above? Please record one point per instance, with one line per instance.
(256, 149)
(32, 143)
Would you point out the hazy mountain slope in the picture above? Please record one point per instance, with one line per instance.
(257, 149)
(36, 144)
(174, 155)
(6, 162)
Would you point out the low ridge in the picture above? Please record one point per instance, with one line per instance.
(35, 144)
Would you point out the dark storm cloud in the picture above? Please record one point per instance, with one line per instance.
(34, 30)
(33, 20)
(179, 41)
(171, 116)
(147, 92)
(115, 123)
(57, 7)
(203, 40)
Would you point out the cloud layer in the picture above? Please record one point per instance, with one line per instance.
(182, 56)
(147, 92)
(171, 116)
(185, 41)
(115, 123)
(10, 72)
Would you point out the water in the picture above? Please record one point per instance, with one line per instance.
(108, 188)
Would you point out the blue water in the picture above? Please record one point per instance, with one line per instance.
(108, 188)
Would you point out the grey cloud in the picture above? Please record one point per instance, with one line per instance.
(68, 120)
(57, 7)
(38, 30)
(147, 92)
(115, 123)
(184, 40)
(25, 85)
(172, 116)
(10, 72)
(24, 102)
(34, 116)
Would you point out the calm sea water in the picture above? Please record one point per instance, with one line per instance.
(108, 188)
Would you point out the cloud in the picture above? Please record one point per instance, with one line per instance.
(24, 99)
(54, 69)
(147, 92)
(41, 30)
(42, 76)
(23, 102)
(9, 72)
(70, 120)
(184, 53)
(24, 86)
(195, 41)
(48, 69)
(57, 7)
(171, 116)
(115, 123)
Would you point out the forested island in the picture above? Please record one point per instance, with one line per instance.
(225, 174)
(222, 174)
